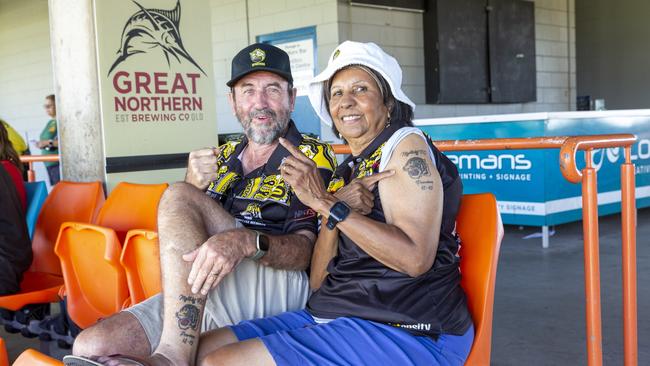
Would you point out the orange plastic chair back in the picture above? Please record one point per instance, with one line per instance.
(35, 288)
(4, 359)
(68, 201)
(480, 229)
(95, 281)
(34, 358)
(131, 206)
(141, 260)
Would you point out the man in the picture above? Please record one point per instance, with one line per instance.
(241, 250)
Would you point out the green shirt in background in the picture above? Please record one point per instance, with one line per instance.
(50, 133)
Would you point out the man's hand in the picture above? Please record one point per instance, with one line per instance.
(202, 167)
(217, 257)
(358, 193)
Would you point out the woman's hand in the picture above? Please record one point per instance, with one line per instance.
(358, 193)
(302, 175)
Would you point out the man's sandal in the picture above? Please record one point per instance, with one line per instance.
(84, 361)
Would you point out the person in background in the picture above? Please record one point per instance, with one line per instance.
(15, 247)
(15, 139)
(18, 143)
(11, 163)
(49, 140)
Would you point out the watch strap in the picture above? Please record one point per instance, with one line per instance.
(259, 253)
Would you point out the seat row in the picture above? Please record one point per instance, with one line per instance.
(78, 251)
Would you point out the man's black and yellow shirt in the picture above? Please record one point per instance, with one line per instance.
(261, 200)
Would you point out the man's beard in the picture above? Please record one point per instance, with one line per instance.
(264, 134)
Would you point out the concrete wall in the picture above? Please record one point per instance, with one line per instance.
(25, 72)
(400, 34)
(613, 52)
(25, 67)
(231, 32)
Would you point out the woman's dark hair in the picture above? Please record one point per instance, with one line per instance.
(7, 151)
(400, 112)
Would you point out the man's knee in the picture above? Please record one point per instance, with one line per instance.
(121, 333)
(179, 192)
(178, 199)
(91, 342)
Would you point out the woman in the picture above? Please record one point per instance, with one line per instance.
(49, 140)
(384, 269)
(15, 247)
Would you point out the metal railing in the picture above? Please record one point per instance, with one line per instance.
(31, 159)
(569, 147)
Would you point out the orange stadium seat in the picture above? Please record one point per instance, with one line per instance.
(131, 206)
(34, 358)
(68, 201)
(4, 359)
(141, 260)
(480, 229)
(95, 282)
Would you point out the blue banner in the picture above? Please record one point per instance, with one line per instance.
(528, 184)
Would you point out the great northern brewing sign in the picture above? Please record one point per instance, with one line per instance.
(156, 81)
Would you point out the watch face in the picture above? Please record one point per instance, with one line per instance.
(340, 211)
(264, 242)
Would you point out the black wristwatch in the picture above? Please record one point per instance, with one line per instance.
(262, 244)
(338, 213)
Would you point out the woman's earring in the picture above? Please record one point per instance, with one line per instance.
(340, 136)
(388, 121)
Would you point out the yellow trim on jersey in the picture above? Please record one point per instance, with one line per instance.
(320, 152)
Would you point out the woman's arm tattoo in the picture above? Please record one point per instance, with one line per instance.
(416, 167)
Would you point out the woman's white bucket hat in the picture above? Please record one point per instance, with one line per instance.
(357, 53)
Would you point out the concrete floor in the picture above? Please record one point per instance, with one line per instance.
(539, 316)
(16, 343)
(539, 303)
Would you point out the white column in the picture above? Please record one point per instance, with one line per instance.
(74, 61)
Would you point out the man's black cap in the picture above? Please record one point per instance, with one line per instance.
(260, 57)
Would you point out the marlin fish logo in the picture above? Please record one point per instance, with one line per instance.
(148, 29)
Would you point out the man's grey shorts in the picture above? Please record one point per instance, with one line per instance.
(251, 291)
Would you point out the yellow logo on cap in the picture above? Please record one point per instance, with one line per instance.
(257, 57)
(336, 54)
